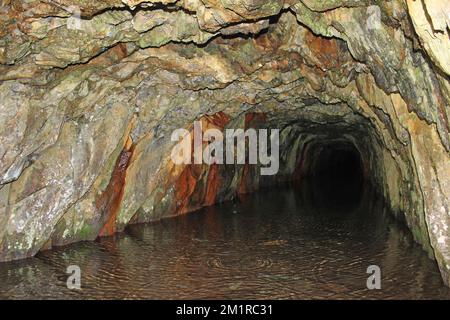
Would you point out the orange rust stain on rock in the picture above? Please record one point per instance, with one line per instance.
(268, 42)
(281, 65)
(111, 56)
(219, 119)
(252, 119)
(184, 187)
(243, 182)
(205, 181)
(199, 178)
(326, 50)
(109, 201)
(213, 184)
(441, 108)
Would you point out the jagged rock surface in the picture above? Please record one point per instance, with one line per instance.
(87, 107)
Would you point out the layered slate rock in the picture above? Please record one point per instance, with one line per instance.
(90, 92)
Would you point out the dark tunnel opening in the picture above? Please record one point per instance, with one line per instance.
(336, 176)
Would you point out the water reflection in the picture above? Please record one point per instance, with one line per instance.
(284, 243)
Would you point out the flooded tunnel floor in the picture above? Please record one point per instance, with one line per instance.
(272, 244)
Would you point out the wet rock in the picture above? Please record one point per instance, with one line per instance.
(87, 107)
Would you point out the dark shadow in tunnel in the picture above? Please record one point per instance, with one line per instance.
(336, 178)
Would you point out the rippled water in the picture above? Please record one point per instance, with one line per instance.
(273, 244)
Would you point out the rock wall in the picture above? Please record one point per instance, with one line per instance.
(90, 92)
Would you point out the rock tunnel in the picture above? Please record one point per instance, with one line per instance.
(91, 91)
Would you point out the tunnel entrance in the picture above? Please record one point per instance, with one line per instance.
(335, 176)
(317, 239)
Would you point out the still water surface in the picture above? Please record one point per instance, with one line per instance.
(280, 244)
